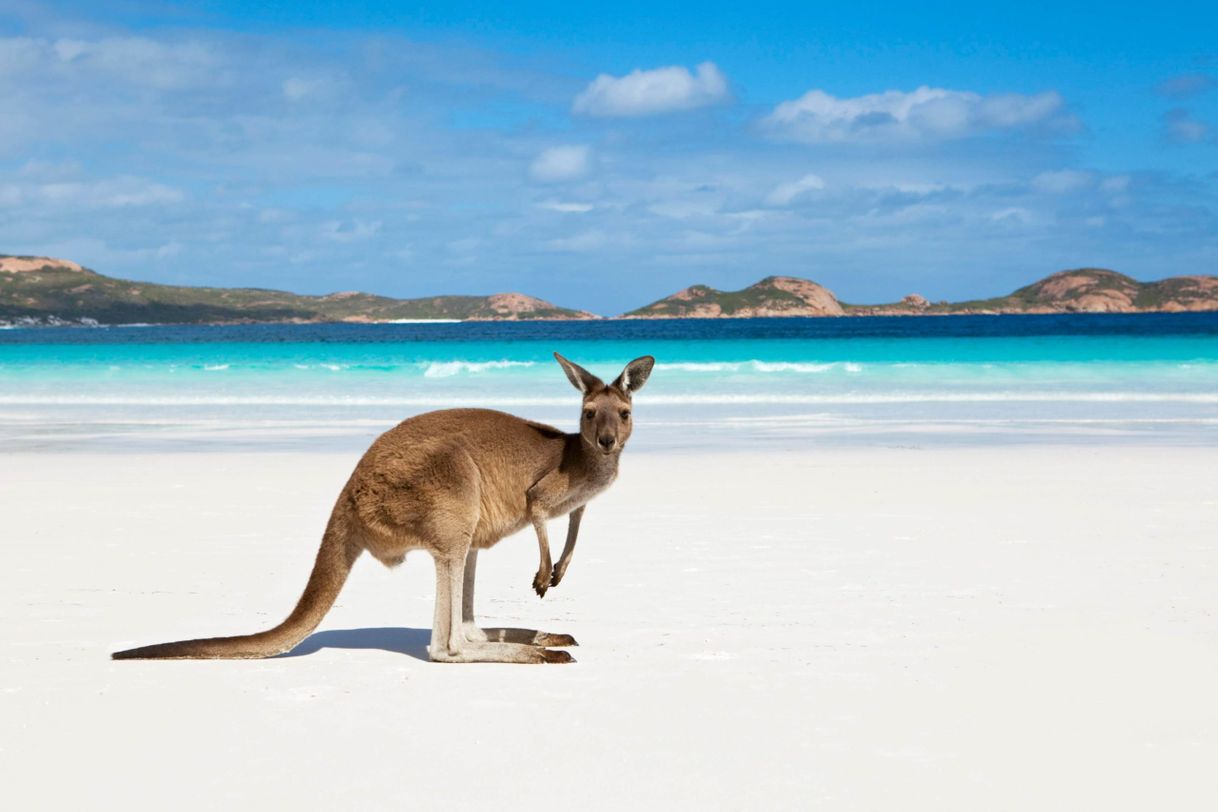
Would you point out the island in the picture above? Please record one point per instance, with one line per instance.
(43, 291)
(1085, 290)
(38, 291)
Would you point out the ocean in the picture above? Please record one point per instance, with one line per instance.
(886, 381)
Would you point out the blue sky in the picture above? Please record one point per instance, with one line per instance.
(603, 156)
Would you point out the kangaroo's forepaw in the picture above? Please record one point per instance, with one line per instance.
(556, 656)
(541, 582)
(557, 576)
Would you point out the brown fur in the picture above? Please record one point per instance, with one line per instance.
(452, 483)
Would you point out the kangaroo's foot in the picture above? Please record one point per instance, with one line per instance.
(498, 653)
(559, 572)
(541, 581)
(528, 637)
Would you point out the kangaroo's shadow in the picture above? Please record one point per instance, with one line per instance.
(412, 642)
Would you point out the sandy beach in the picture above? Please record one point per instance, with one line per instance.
(1002, 627)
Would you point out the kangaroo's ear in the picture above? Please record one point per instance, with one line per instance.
(580, 378)
(635, 374)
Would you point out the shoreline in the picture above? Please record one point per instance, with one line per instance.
(38, 434)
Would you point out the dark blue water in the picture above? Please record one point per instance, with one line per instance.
(896, 327)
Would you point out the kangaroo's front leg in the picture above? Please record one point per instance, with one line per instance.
(564, 560)
(541, 581)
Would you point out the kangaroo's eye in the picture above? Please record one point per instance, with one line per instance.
(625, 414)
(589, 414)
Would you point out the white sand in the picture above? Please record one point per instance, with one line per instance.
(1001, 628)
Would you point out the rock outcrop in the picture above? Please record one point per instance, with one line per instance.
(772, 296)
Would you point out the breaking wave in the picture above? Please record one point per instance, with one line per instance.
(446, 369)
(758, 366)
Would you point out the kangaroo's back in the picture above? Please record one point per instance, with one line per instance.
(424, 465)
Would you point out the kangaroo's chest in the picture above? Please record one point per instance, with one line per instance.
(510, 513)
(578, 496)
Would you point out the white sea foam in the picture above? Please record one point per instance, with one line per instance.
(789, 366)
(446, 369)
(756, 366)
(708, 366)
(215, 367)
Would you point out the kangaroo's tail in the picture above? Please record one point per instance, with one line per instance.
(334, 560)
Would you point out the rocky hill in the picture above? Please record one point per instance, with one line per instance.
(42, 290)
(1087, 290)
(772, 296)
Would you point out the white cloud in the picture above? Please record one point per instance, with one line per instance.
(1188, 84)
(647, 92)
(50, 170)
(142, 61)
(1061, 181)
(169, 249)
(927, 113)
(18, 54)
(566, 207)
(1180, 126)
(1012, 214)
(784, 193)
(578, 243)
(561, 163)
(111, 193)
(338, 231)
(685, 206)
(69, 49)
(295, 88)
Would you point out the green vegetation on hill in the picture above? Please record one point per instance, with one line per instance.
(730, 301)
(771, 295)
(66, 293)
(1059, 290)
(1084, 290)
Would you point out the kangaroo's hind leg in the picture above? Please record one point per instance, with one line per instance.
(448, 641)
(473, 633)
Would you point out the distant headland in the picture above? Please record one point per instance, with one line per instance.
(42, 291)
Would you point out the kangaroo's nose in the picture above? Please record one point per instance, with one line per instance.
(607, 443)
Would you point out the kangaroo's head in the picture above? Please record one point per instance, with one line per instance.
(606, 420)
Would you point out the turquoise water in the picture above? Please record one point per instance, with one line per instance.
(774, 381)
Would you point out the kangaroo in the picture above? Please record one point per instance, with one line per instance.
(453, 482)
